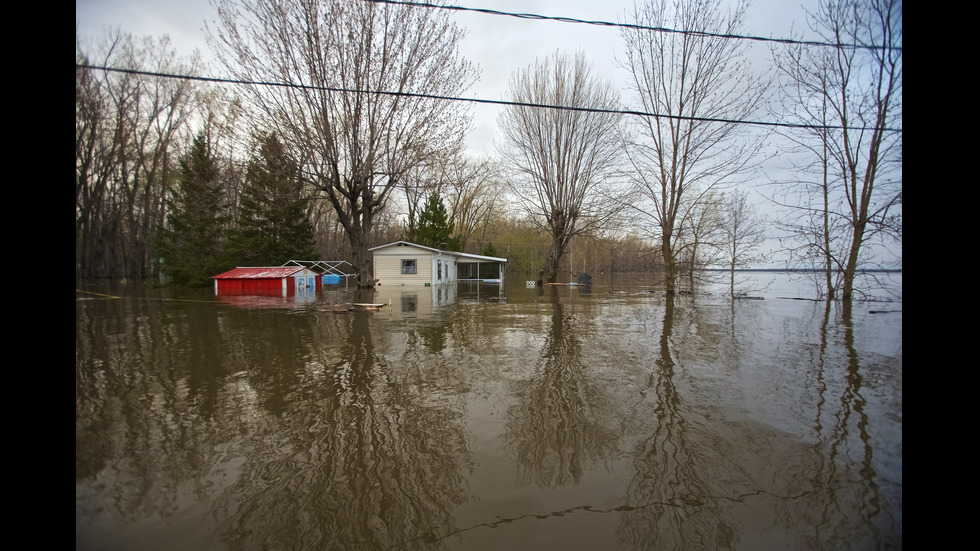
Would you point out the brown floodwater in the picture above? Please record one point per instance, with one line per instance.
(475, 416)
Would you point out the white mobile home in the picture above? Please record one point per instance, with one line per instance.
(404, 263)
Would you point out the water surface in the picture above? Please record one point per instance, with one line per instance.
(480, 417)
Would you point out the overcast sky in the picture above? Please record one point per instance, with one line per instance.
(498, 44)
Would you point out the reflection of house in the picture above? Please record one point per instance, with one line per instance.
(415, 301)
(404, 263)
(283, 281)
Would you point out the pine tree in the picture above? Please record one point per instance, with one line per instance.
(486, 270)
(192, 245)
(433, 228)
(273, 227)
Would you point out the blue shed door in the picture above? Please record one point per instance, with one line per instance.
(305, 286)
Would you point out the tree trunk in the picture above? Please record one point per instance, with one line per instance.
(850, 269)
(670, 266)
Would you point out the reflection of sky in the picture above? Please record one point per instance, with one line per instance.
(288, 430)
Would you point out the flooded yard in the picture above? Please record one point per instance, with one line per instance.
(474, 416)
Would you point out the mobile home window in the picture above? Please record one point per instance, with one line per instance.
(408, 266)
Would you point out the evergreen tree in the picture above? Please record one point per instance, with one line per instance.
(487, 270)
(273, 227)
(433, 227)
(192, 245)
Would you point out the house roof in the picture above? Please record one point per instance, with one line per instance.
(454, 253)
(262, 272)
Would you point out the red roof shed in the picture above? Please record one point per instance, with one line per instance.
(284, 281)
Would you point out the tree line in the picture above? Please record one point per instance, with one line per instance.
(186, 179)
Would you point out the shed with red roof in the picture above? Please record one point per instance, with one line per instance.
(284, 281)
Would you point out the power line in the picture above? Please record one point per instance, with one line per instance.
(473, 100)
(635, 26)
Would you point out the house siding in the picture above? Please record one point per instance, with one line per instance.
(276, 281)
(388, 266)
(252, 286)
(448, 267)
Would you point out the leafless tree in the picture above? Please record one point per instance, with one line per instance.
(221, 120)
(847, 194)
(702, 233)
(352, 77)
(128, 133)
(563, 159)
(745, 232)
(473, 192)
(417, 184)
(698, 86)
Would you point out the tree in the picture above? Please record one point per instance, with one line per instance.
(563, 158)
(433, 228)
(352, 104)
(692, 82)
(701, 233)
(192, 244)
(849, 96)
(273, 227)
(128, 131)
(473, 189)
(744, 234)
(417, 183)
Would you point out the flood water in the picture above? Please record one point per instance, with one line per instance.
(477, 417)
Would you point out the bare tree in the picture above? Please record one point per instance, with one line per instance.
(702, 233)
(698, 87)
(745, 232)
(848, 192)
(351, 74)
(127, 128)
(417, 184)
(473, 190)
(563, 159)
(221, 119)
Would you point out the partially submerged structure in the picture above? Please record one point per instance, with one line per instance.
(284, 281)
(334, 271)
(410, 264)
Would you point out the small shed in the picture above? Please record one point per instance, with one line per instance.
(404, 263)
(284, 281)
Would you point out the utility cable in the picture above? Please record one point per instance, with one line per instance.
(474, 100)
(634, 26)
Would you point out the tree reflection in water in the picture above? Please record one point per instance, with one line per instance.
(555, 428)
(671, 496)
(846, 477)
(288, 445)
(611, 420)
(363, 462)
(711, 478)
